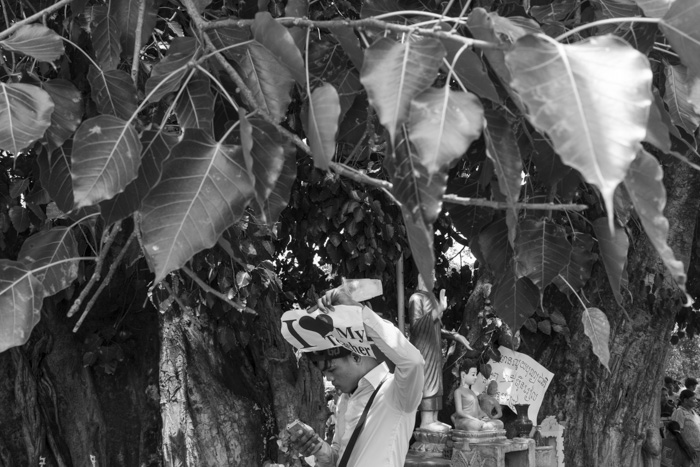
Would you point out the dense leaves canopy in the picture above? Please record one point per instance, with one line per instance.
(184, 125)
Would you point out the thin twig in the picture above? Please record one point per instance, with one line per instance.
(175, 297)
(209, 289)
(34, 17)
(98, 268)
(108, 277)
(453, 199)
(135, 61)
(359, 24)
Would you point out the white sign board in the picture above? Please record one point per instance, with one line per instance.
(521, 380)
(319, 331)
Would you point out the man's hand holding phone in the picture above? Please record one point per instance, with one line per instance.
(303, 438)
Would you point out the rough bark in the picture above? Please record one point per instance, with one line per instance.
(226, 408)
(69, 414)
(608, 415)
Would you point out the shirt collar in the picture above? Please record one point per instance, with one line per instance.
(376, 375)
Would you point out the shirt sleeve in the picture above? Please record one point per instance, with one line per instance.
(327, 456)
(408, 375)
(678, 416)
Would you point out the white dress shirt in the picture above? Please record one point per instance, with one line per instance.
(391, 418)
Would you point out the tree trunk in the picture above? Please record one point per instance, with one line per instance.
(609, 415)
(56, 408)
(226, 408)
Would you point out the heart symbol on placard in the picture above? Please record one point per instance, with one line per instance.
(322, 324)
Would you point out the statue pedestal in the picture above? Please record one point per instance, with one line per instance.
(491, 449)
(428, 449)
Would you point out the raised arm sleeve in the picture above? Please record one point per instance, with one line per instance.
(408, 375)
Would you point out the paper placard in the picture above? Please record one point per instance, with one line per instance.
(521, 380)
(319, 331)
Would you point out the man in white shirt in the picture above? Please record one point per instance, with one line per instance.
(384, 439)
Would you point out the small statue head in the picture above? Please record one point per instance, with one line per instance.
(492, 389)
(468, 371)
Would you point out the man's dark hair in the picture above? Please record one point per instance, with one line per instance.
(690, 382)
(685, 394)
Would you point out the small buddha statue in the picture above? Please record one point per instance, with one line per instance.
(468, 414)
(488, 403)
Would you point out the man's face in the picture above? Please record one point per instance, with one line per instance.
(344, 373)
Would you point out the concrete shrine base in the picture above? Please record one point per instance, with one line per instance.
(471, 449)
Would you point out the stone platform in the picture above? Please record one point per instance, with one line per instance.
(469, 449)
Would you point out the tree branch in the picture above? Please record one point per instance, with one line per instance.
(34, 17)
(201, 25)
(359, 24)
(108, 277)
(98, 270)
(137, 43)
(207, 288)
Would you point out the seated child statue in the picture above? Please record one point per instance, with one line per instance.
(468, 415)
(488, 402)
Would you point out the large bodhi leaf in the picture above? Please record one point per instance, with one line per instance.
(113, 91)
(613, 251)
(25, 115)
(55, 175)
(265, 152)
(597, 328)
(470, 71)
(420, 239)
(324, 111)
(106, 156)
(578, 270)
(276, 39)
(394, 73)
(21, 296)
(682, 97)
(156, 149)
(278, 198)
(503, 150)
(595, 129)
(351, 45)
(644, 183)
(442, 124)
(654, 8)
(204, 188)
(541, 251)
(105, 38)
(168, 73)
(419, 192)
(680, 25)
(514, 300)
(270, 84)
(50, 249)
(468, 220)
(297, 9)
(195, 107)
(67, 114)
(36, 41)
(228, 37)
(550, 169)
(127, 14)
(494, 248)
(481, 25)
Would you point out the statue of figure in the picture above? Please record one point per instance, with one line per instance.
(468, 415)
(426, 333)
(488, 402)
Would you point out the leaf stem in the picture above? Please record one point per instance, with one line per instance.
(98, 270)
(604, 22)
(207, 288)
(108, 277)
(34, 17)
